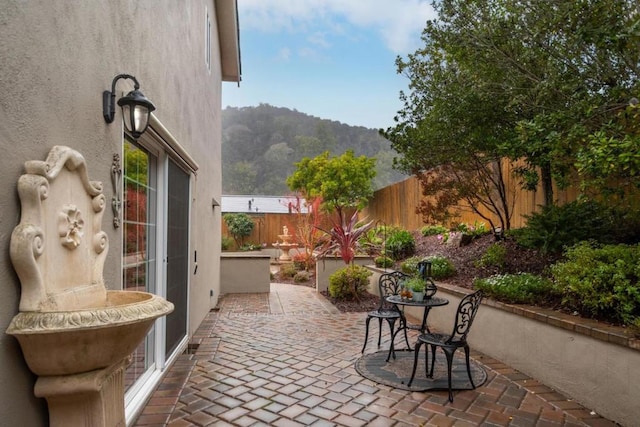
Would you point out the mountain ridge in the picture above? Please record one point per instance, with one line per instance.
(260, 146)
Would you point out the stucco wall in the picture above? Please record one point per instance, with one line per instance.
(56, 59)
(244, 272)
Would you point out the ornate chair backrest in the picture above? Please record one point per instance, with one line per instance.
(390, 284)
(467, 310)
(424, 269)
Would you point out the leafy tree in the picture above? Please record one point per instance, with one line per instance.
(240, 225)
(610, 161)
(242, 174)
(532, 80)
(135, 166)
(342, 182)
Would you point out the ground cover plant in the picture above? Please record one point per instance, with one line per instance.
(589, 279)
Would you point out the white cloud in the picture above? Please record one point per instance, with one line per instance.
(284, 54)
(398, 22)
(319, 39)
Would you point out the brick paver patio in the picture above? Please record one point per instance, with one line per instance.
(287, 359)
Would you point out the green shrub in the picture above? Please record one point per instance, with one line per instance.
(557, 227)
(494, 256)
(521, 288)
(372, 242)
(226, 243)
(473, 231)
(433, 230)
(304, 261)
(441, 267)
(350, 282)
(383, 262)
(301, 276)
(240, 225)
(250, 247)
(410, 265)
(635, 327)
(400, 244)
(601, 282)
(288, 270)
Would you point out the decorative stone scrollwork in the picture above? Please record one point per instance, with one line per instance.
(70, 225)
(116, 177)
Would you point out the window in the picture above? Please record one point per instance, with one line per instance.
(139, 246)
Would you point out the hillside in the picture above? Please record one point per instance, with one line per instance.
(261, 144)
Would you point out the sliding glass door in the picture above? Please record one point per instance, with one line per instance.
(177, 261)
(139, 228)
(155, 253)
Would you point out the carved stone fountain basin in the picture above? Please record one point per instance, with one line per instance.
(75, 341)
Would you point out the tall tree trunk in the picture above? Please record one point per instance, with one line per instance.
(547, 183)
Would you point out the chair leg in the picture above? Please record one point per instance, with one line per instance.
(466, 355)
(406, 338)
(366, 333)
(392, 350)
(415, 361)
(426, 360)
(379, 331)
(392, 326)
(449, 354)
(433, 360)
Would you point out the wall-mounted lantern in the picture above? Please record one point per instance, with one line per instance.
(136, 108)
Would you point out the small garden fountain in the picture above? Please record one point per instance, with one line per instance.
(285, 245)
(76, 335)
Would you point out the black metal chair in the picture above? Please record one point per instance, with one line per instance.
(388, 284)
(465, 314)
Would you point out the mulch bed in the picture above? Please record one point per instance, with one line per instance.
(463, 258)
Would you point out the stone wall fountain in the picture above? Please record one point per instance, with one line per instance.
(76, 335)
(285, 245)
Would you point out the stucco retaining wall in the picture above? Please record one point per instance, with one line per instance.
(595, 364)
(244, 272)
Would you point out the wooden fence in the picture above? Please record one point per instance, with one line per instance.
(268, 226)
(397, 204)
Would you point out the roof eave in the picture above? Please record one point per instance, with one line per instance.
(229, 36)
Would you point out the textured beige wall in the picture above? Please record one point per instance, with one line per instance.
(56, 58)
(244, 272)
(601, 376)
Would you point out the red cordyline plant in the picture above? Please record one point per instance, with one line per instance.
(307, 232)
(343, 237)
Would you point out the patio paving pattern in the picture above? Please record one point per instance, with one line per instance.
(287, 358)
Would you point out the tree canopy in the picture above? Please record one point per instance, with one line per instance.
(549, 83)
(342, 182)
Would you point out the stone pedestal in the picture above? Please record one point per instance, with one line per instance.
(286, 247)
(89, 399)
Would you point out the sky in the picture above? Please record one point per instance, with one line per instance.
(333, 59)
